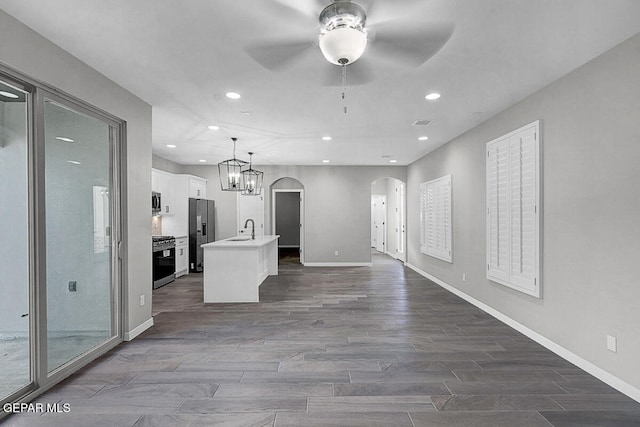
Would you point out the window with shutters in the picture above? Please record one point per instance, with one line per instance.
(435, 218)
(513, 225)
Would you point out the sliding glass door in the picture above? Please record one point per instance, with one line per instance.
(59, 235)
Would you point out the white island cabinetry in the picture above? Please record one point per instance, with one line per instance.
(234, 268)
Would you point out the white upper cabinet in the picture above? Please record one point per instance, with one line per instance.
(197, 188)
(162, 182)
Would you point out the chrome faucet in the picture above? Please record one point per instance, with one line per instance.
(253, 228)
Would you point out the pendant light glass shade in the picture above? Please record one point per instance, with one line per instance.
(252, 180)
(230, 172)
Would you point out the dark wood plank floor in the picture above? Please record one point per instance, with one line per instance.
(379, 346)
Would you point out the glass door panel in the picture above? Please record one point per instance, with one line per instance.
(15, 354)
(77, 149)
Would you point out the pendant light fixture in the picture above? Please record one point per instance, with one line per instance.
(252, 180)
(230, 172)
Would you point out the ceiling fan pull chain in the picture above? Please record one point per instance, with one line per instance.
(344, 86)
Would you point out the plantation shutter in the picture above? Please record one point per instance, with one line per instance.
(423, 218)
(512, 210)
(498, 223)
(523, 209)
(436, 218)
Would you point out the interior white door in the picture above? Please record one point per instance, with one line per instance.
(379, 219)
(251, 207)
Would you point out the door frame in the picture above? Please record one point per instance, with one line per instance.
(273, 215)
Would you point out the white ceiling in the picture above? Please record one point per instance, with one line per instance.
(183, 56)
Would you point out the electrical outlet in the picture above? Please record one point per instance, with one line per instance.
(73, 286)
(336, 254)
(141, 300)
(612, 343)
(464, 277)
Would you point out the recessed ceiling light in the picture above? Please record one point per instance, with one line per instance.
(326, 161)
(64, 138)
(171, 146)
(393, 161)
(74, 162)
(245, 113)
(213, 127)
(432, 96)
(8, 94)
(326, 138)
(423, 138)
(202, 161)
(233, 95)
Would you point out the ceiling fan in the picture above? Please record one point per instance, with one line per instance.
(346, 30)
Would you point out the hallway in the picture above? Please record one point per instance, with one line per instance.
(379, 346)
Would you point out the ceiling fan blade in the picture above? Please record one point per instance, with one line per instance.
(277, 56)
(409, 44)
(306, 8)
(379, 11)
(359, 73)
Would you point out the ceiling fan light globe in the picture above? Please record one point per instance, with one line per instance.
(343, 46)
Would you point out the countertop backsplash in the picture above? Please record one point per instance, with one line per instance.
(156, 226)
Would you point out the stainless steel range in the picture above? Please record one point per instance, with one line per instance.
(164, 260)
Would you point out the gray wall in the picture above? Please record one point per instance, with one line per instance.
(337, 206)
(161, 163)
(37, 57)
(590, 135)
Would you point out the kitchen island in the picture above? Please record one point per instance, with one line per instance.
(234, 268)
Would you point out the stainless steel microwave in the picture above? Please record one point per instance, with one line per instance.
(156, 203)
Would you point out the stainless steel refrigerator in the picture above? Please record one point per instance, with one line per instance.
(201, 230)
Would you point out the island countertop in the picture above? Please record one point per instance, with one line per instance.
(241, 242)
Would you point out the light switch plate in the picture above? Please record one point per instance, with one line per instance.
(612, 343)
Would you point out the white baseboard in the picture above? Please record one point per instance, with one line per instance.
(128, 336)
(337, 264)
(589, 367)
